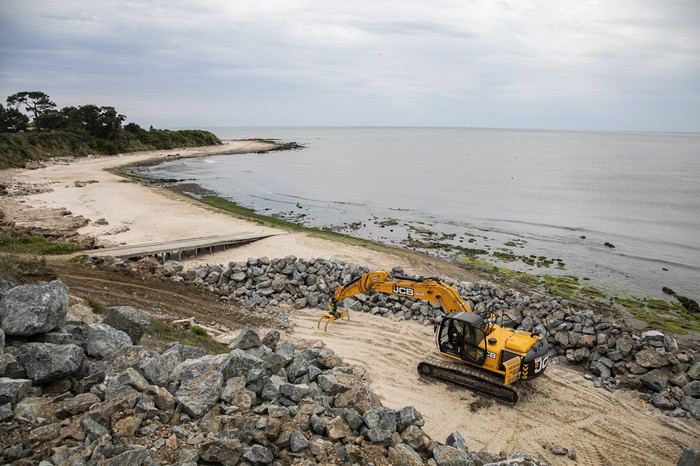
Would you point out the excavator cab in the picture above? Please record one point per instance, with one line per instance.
(462, 334)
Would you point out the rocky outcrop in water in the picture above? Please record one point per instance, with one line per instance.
(614, 355)
(75, 393)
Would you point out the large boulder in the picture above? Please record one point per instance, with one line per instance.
(35, 308)
(650, 358)
(248, 338)
(134, 322)
(44, 362)
(201, 383)
(104, 341)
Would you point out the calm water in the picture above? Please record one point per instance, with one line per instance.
(556, 194)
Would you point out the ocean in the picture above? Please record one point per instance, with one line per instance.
(619, 210)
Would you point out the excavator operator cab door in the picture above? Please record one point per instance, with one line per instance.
(458, 337)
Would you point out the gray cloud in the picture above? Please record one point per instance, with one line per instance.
(632, 65)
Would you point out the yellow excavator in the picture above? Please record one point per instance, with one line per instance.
(475, 353)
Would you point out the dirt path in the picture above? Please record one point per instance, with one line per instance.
(560, 408)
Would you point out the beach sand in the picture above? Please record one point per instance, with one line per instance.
(561, 408)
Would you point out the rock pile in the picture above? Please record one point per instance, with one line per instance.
(76, 393)
(613, 353)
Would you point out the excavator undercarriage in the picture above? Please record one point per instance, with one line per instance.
(470, 377)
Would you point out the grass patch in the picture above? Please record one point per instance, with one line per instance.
(160, 333)
(36, 245)
(96, 306)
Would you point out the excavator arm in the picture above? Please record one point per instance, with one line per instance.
(426, 289)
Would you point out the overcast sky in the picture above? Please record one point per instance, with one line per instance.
(550, 64)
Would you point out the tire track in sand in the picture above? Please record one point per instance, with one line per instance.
(560, 407)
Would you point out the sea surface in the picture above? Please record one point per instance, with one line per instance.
(546, 202)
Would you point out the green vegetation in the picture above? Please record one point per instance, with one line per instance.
(77, 131)
(197, 330)
(388, 223)
(161, 332)
(96, 306)
(36, 245)
(245, 213)
(661, 314)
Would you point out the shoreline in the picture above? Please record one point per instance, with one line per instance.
(104, 193)
(663, 311)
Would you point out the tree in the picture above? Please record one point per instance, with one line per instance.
(35, 102)
(12, 119)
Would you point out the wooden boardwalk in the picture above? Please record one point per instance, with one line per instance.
(179, 247)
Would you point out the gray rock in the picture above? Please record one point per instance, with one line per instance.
(600, 369)
(9, 367)
(689, 457)
(104, 341)
(408, 416)
(13, 390)
(186, 352)
(246, 339)
(656, 380)
(402, 454)
(2, 341)
(457, 441)
(238, 363)
(381, 424)
(624, 345)
(332, 383)
(271, 339)
(200, 386)
(298, 442)
(300, 364)
(692, 405)
(221, 451)
(559, 450)
(652, 335)
(661, 402)
(259, 455)
(692, 389)
(445, 455)
(93, 429)
(415, 437)
(294, 392)
(337, 429)
(136, 456)
(6, 412)
(650, 358)
(35, 308)
(134, 322)
(694, 371)
(44, 362)
(155, 370)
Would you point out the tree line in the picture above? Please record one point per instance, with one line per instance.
(32, 127)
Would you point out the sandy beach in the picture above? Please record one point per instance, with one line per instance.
(561, 408)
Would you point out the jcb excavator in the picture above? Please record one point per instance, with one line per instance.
(477, 354)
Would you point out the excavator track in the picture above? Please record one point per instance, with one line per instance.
(470, 377)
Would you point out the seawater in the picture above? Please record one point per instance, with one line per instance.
(557, 194)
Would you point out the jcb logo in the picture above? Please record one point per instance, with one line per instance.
(403, 291)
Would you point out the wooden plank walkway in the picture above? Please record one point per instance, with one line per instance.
(179, 247)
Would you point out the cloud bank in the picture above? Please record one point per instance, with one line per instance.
(616, 65)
